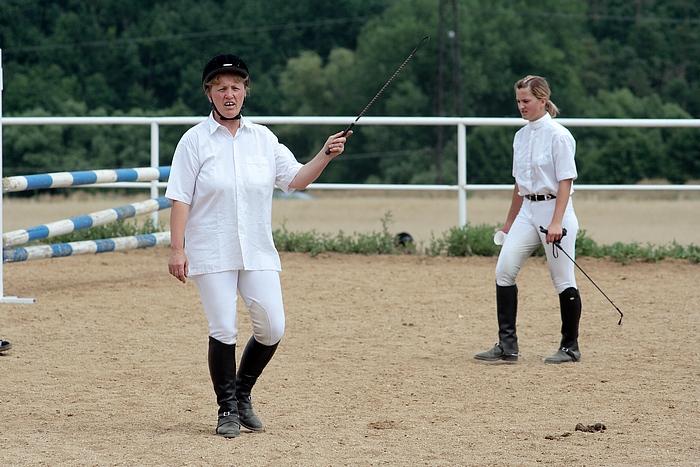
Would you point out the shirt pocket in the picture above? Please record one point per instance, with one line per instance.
(258, 170)
(543, 154)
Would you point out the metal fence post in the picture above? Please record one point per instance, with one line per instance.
(155, 163)
(462, 173)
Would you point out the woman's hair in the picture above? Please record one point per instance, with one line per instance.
(238, 78)
(540, 89)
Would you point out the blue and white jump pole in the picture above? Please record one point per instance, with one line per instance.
(52, 229)
(153, 174)
(3, 298)
(58, 250)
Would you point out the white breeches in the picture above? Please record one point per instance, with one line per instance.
(525, 236)
(261, 292)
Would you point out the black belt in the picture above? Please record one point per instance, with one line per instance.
(540, 197)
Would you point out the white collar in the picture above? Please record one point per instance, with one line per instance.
(213, 125)
(540, 122)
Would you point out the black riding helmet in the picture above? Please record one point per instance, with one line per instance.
(225, 63)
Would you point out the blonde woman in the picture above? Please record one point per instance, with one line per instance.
(541, 211)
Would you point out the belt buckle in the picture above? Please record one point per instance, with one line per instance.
(546, 197)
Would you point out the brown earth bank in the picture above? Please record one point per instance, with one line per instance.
(108, 367)
(607, 217)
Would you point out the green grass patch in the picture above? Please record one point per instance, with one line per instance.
(375, 243)
(467, 241)
(457, 241)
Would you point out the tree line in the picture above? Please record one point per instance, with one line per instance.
(603, 59)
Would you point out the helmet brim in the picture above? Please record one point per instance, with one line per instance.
(224, 70)
(224, 63)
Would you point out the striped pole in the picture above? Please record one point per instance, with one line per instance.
(85, 247)
(19, 237)
(89, 177)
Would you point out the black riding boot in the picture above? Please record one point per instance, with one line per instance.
(507, 309)
(253, 361)
(570, 306)
(222, 368)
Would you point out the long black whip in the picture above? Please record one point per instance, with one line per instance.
(558, 245)
(421, 44)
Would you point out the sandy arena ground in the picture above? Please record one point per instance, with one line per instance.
(108, 367)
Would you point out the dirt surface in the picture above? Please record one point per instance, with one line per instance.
(108, 367)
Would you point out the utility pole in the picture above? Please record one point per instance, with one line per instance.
(456, 61)
(456, 107)
(440, 92)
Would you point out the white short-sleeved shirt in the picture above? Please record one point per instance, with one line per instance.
(543, 155)
(228, 181)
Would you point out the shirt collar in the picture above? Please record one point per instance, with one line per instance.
(213, 125)
(540, 122)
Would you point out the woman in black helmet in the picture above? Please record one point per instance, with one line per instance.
(222, 179)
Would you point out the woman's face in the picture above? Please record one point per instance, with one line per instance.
(530, 107)
(227, 92)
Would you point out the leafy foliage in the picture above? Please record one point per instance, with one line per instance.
(468, 241)
(377, 243)
(615, 59)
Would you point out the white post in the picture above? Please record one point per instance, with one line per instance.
(155, 162)
(3, 298)
(462, 173)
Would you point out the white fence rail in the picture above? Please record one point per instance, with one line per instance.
(460, 123)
